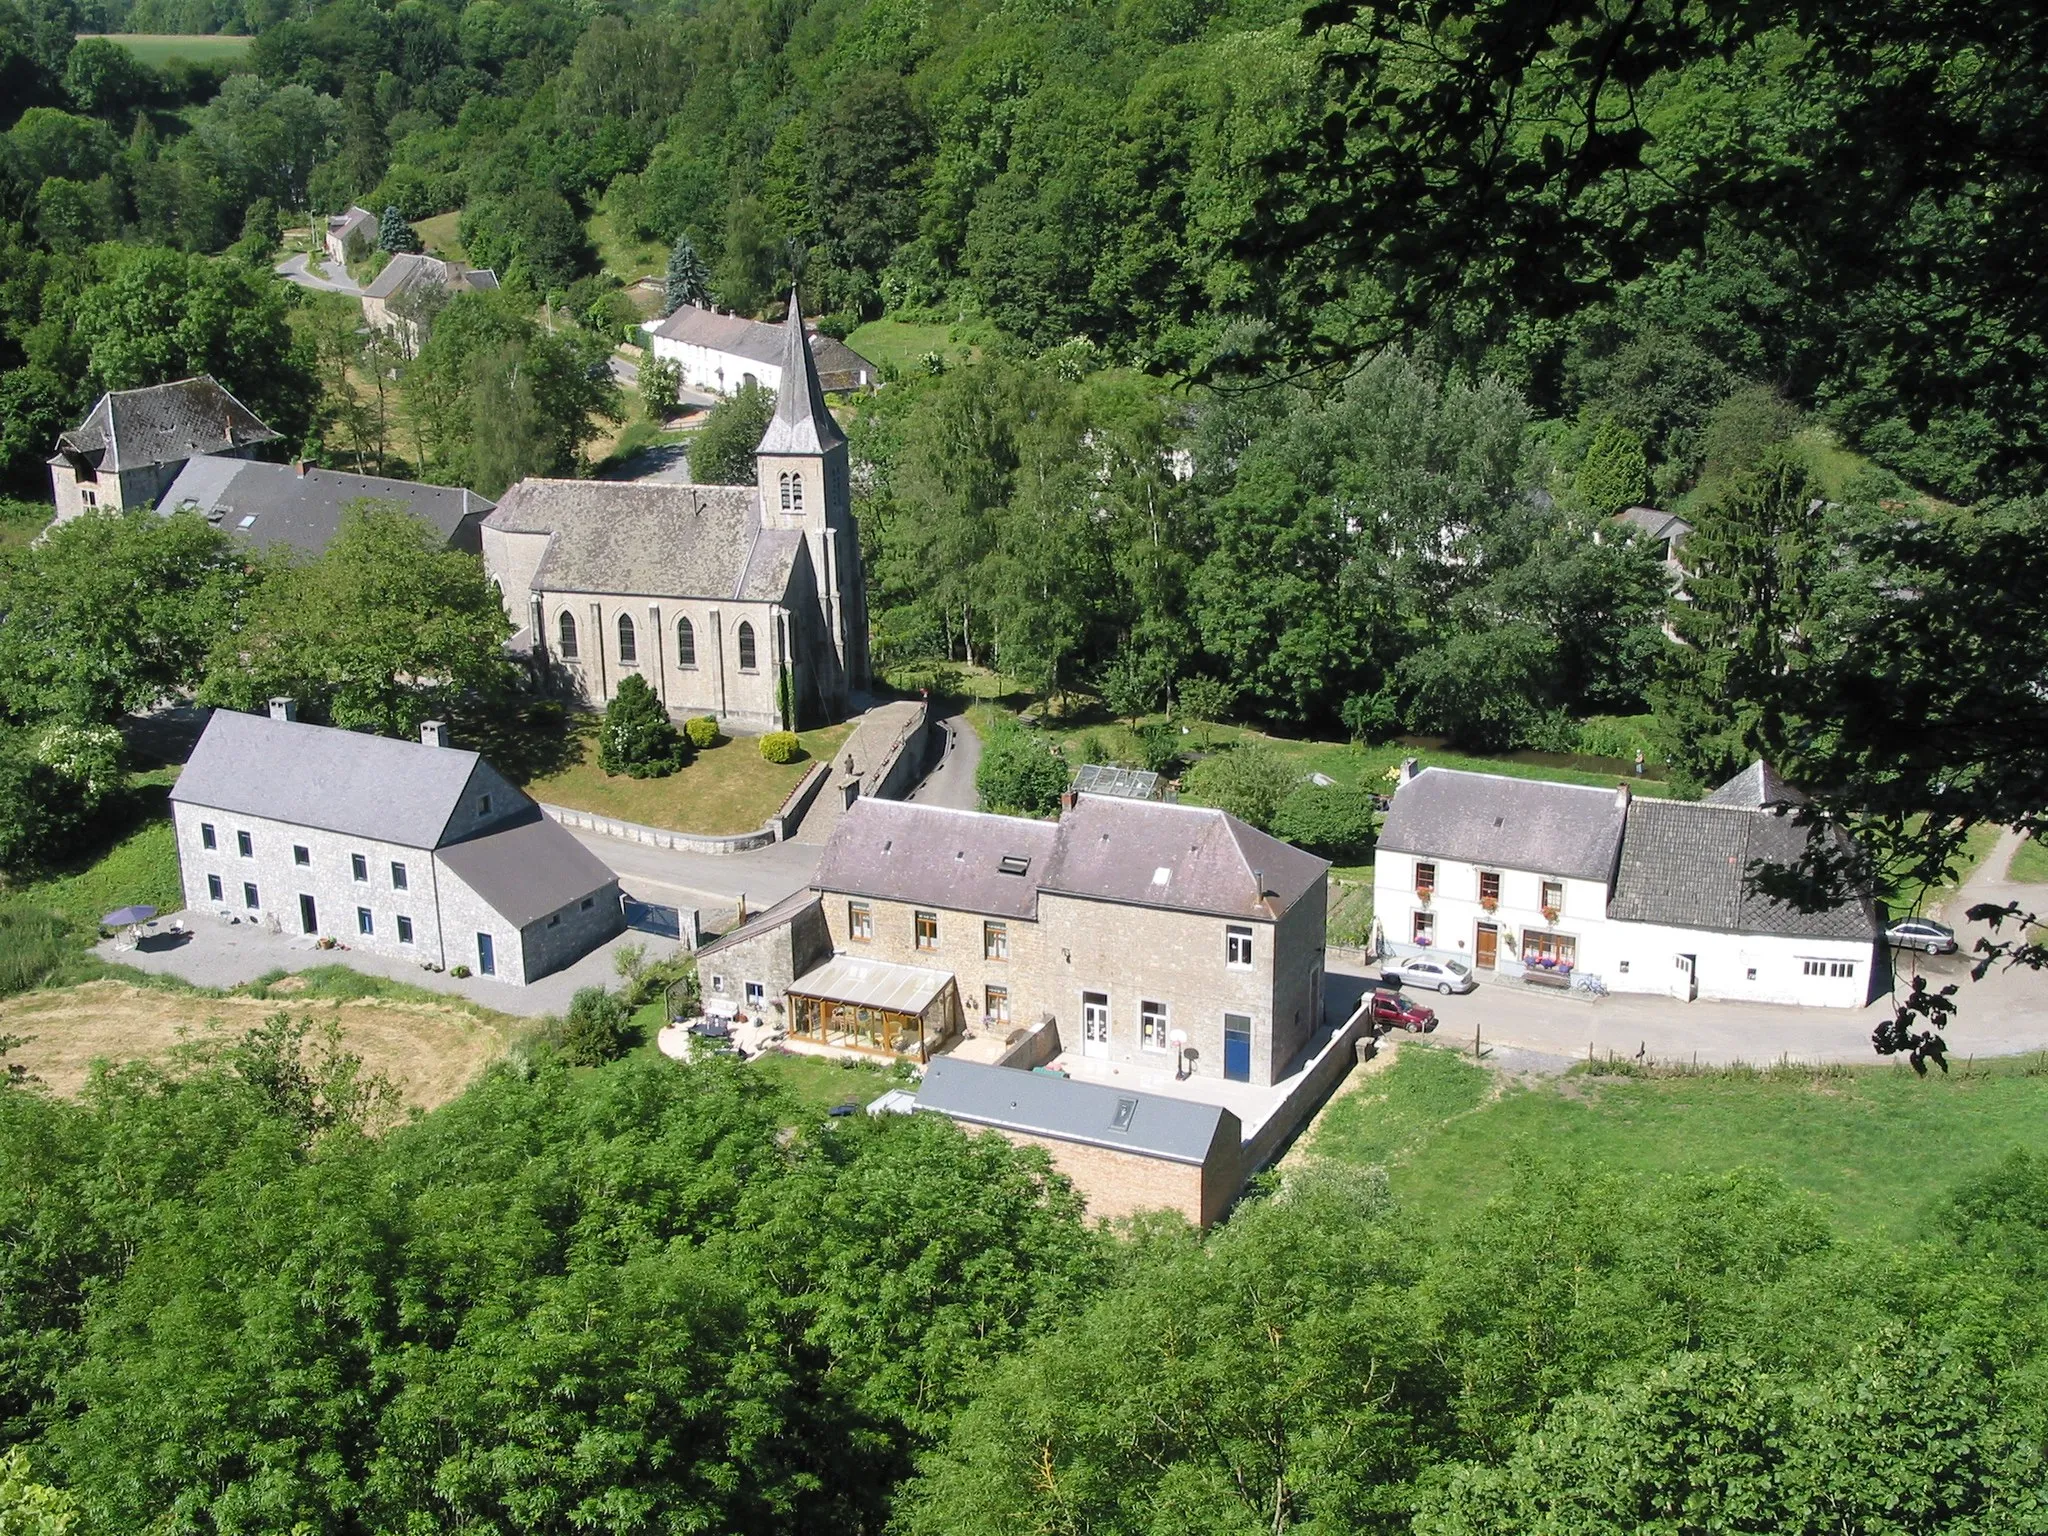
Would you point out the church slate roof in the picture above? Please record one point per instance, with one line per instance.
(163, 424)
(1687, 866)
(304, 509)
(1487, 818)
(648, 539)
(801, 423)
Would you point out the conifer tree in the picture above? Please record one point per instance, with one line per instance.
(394, 234)
(688, 281)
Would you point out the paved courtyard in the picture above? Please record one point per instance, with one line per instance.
(223, 955)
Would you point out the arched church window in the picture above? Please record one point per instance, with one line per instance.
(566, 629)
(746, 646)
(628, 652)
(686, 643)
(785, 493)
(796, 493)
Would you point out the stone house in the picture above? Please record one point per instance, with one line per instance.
(415, 850)
(350, 235)
(721, 353)
(409, 281)
(745, 602)
(299, 505)
(1548, 882)
(134, 442)
(1167, 936)
(1125, 1151)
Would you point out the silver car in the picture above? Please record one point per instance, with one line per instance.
(1428, 973)
(1921, 933)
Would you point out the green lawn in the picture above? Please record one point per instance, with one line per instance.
(1876, 1144)
(21, 521)
(2029, 864)
(821, 1083)
(621, 255)
(727, 788)
(903, 345)
(157, 49)
(439, 236)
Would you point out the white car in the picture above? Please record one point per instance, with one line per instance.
(1426, 973)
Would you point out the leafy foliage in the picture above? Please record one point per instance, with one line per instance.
(1333, 820)
(1251, 781)
(637, 738)
(722, 452)
(394, 234)
(595, 1031)
(780, 747)
(686, 281)
(702, 730)
(1019, 774)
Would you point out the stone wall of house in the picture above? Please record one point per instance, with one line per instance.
(563, 937)
(1133, 955)
(465, 915)
(327, 876)
(713, 682)
(771, 959)
(1119, 1184)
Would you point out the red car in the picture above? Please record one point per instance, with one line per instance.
(1390, 1010)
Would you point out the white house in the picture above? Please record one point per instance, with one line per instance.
(1548, 882)
(350, 234)
(415, 850)
(721, 353)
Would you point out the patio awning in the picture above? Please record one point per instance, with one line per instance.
(905, 989)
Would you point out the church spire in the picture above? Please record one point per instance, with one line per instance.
(801, 423)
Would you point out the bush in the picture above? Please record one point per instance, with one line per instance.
(1020, 774)
(1334, 820)
(1248, 781)
(702, 730)
(459, 972)
(1158, 748)
(722, 452)
(1618, 736)
(637, 738)
(48, 798)
(596, 1030)
(781, 747)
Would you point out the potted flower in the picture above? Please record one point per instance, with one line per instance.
(1491, 903)
(1550, 914)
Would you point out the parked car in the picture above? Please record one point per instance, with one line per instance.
(1391, 1010)
(1428, 972)
(1921, 933)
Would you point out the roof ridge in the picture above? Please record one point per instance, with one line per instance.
(1516, 778)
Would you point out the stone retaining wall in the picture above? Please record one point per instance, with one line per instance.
(661, 837)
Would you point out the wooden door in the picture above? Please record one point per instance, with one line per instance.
(1487, 949)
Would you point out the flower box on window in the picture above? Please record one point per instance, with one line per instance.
(1550, 914)
(1491, 903)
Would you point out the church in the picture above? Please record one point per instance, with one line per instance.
(744, 602)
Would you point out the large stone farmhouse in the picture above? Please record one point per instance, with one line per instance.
(415, 850)
(722, 353)
(1548, 882)
(1166, 936)
(299, 505)
(410, 278)
(133, 442)
(745, 602)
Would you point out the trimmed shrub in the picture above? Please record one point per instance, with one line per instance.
(596, 1029)
(702, 730)
(781, 747)
(637, 738)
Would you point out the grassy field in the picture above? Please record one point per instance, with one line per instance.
(903, 346)
(157, 49)
(429, 1049)
(21, 521)
(822, 1084)
(621, 255)
(439, 236)
(1879, 1146)
(727, 788)
(2029, 864)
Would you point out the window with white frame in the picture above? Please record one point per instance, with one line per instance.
(860, 922)
(1237, 948)
(206, 835)
(1425, 928)
(1837, 969)
(1152, 1029)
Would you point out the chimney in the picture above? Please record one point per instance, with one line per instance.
(1408, 769)
(1259, 879)
(1068, 799)
(284, 709)
(1621, 795)
(434, 733)
(300, 466)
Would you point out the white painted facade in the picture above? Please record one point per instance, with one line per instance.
(1455, 916)
(708, 369)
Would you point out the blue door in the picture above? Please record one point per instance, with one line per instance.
(486, 956)
(1237, 1047)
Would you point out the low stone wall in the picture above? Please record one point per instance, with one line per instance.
(660, 837)
(791, 814)
(1032, 1047)
(1324, 1071)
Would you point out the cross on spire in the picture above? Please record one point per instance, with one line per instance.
(801, 423)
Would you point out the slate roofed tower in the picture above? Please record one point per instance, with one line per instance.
(801, 467)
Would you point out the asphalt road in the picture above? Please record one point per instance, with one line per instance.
(316, 274)
(951, 781)
(711, 882)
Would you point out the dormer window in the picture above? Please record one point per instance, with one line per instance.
(1013, 864)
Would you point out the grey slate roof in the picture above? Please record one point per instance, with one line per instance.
(1757, 785)
(163, 424)
(347, 223)
(409, 270)
(838, 365)
(1111, 848)
(1527, 824)
(784, 911)
(316, 776)
(529, 869)
(801, 424)
(1658, 525)
(304, 510)
(1104, 849)
(1686, 865)
(1145, 1124)
(933, 856)
(647, 539)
